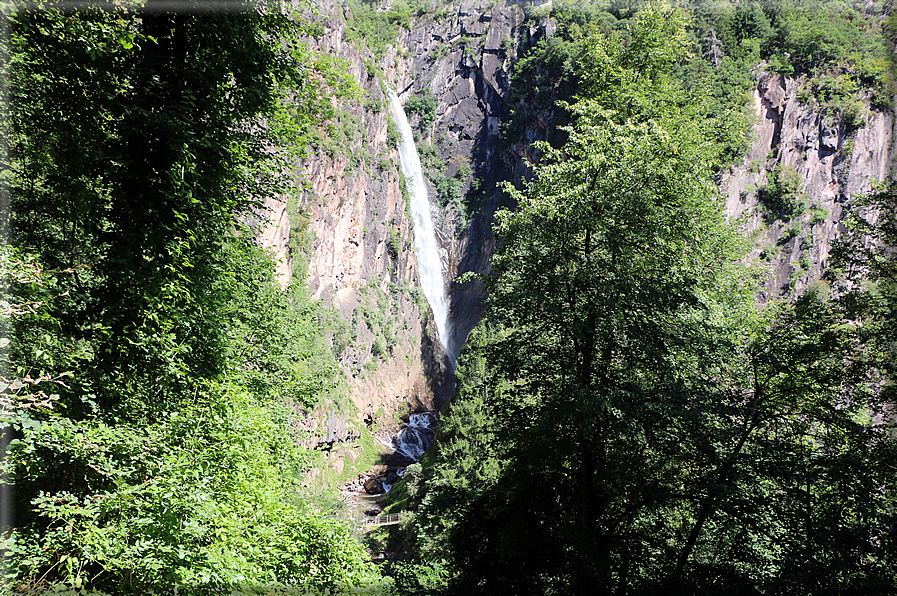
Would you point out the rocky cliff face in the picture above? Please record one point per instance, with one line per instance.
(830, 163)
(363, 262)
(464, 61)
(273, 225)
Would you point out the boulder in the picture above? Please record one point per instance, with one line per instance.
(373, 486)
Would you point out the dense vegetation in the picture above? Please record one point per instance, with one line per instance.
(375, 28)
(627, 421)
(840, 49)
(153, 372)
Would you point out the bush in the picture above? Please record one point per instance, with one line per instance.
(394, 244)
(448, 190)
(781, 196)
(377, 28)
(424, 106)
(819, 214)
(393, 136)
(420, 579)
(180, 501)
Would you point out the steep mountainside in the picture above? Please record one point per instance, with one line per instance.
(828, 162)
(362, 261)
(452, 69)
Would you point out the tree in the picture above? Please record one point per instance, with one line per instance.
(163, 458)
(866, 258)
(613, 257)
(139, 138)
(655, 433)
(612, 273)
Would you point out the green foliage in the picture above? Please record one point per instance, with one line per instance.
(169, 502)
(546, 72)
(571, 62)
(375, 28)
(277, 345)
(788, 234)
(157, 366)
(839, 96)
(417, 579)
(626, 420)
(865, 260)
(805, 261)
(468, 456)
(378, 311)
(818, 214)
(745, 31)
(804, 36)
(149, 506)
(343, 137)
(301, 239)
(393, 136)
(371, 68)
(814, 37)
(448, 188)
(782, 195)
(424, 106)
(394, 244)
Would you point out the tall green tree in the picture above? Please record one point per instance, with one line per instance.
(138, 140)
(154, 370)
(866, 259)
(653, 432)
(615, 253)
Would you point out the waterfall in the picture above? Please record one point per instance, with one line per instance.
(413, 439)
(428, 258)
(410, 443)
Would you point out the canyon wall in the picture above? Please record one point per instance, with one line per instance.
(831, 161)
(362, 261)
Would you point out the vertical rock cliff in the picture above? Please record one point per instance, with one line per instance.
(451, 68)
(827, 162)
(362, 262)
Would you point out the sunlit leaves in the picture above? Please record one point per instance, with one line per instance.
(652, 430)
(141, 142)
(207, 495)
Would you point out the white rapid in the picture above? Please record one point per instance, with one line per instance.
(413, 439)
(428, 258)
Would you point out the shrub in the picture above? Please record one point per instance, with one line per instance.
(424, 105)
(781, 196)
(805, 261)
(393, 136)
(394, 244)
(818, 214)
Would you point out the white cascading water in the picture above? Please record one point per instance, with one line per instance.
(428, 258)
(412, 440)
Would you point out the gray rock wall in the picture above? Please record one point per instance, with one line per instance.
(834, 162)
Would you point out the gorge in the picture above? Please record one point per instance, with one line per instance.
(474, 126)
(635, 259)
(462, 59)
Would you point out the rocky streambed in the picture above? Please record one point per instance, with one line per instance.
(406, 446)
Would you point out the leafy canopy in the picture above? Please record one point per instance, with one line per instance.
(154, 372)
(627, 421)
